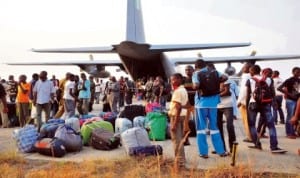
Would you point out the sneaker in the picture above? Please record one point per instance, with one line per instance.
(278, 150)
(204, 156)
(258, 147)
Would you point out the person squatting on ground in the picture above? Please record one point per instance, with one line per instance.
(23, 100)
(43, 93)
(207, 82)
(3, 107)
(177, 116)
(262, 105)
(188, 85)
(291, 90)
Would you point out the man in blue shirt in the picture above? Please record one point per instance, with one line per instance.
(207, 82)
(84, 88)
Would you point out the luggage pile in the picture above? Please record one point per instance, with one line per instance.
(132, 129)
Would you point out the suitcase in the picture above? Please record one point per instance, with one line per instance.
(153, 150)
(102, 139)
(87, 128)
(51, 147)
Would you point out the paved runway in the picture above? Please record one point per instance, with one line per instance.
(257, 160)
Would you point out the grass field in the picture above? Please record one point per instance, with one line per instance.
(14, 165)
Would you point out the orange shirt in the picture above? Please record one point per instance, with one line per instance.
(23, 97)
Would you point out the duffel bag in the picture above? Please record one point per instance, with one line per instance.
(156, 122)
(139, 121)
(51, 147)
(70, 138)
(134, 137)
(74, 123)
(146, 150)
(48, 129)
(102, 139)
(122, 124)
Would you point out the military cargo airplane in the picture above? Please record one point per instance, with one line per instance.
(140, 59)
(137, 58)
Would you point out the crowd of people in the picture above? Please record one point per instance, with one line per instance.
(202, 92)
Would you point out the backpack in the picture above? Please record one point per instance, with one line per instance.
(209, 82)
(262, 93)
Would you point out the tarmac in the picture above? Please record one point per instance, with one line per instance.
(256, 160)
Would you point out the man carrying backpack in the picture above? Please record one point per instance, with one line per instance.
(260, 92)
(207, 82)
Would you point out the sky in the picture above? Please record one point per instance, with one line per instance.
(270, 25)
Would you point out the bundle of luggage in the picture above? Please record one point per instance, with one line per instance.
(133, 129)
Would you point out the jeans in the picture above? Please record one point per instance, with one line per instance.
(266, 113)
(290, 109)
(277, 107)
(228, 112)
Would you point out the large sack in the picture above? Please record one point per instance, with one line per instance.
(122, 124)
(134, 137)
(102, 139)
(131, 111)
(139, 121)
(25, 138)
(146, 150)
(73, 122)
(87, 129)
(51, 147)
(70, 138)
(156, 122)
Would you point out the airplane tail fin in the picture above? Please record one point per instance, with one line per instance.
(135, 26)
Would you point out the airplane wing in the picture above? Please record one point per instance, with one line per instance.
(178, 61)
(155, 48)
(73, 62)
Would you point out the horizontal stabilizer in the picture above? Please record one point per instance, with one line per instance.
(182, 47)
(107, 49)
(235, 59)
(73, 62)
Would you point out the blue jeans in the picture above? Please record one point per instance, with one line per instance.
(266, 113)
(201, 117)
(277, 107)
(290, 108)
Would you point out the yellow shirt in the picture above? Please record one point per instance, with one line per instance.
(23, 97)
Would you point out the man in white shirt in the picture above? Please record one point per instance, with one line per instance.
(43, 94)
(69, 97)
(241, 102)
(278, 98)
